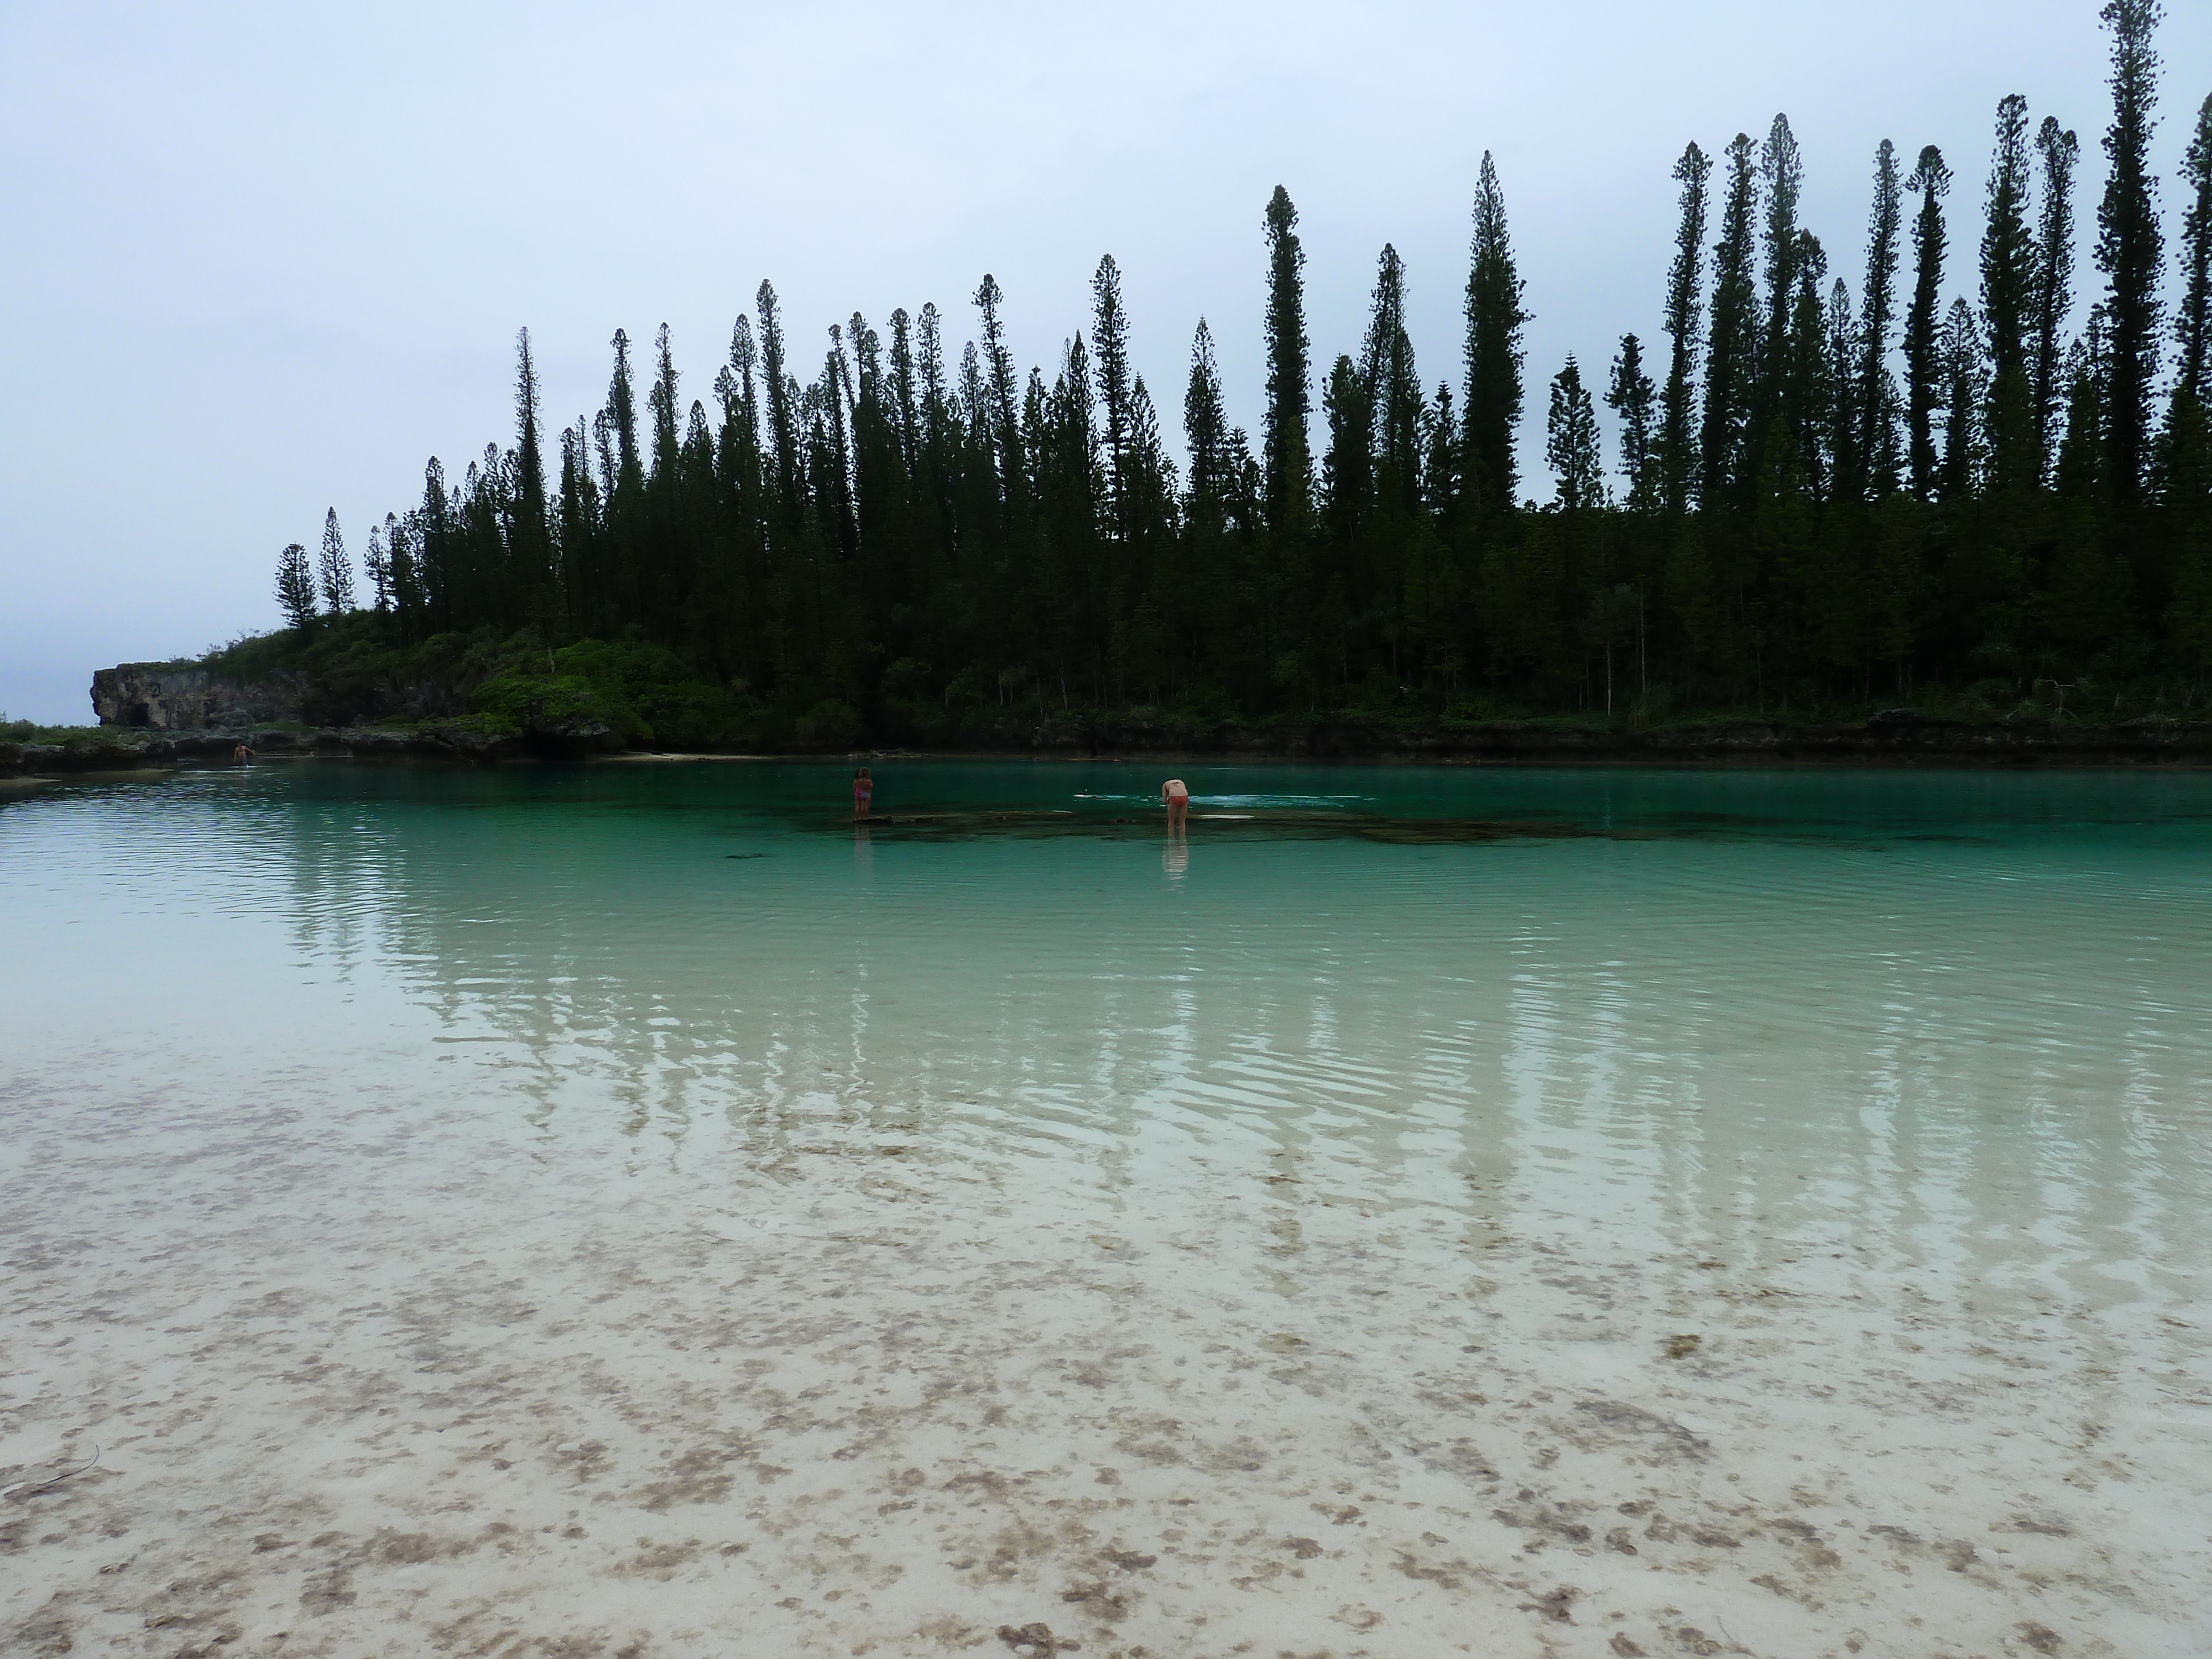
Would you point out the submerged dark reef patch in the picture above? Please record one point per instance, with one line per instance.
(1291, 824)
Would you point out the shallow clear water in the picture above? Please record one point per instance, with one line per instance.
(1797, 1063)
(1746, 977)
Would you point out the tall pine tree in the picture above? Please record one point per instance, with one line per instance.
(1875, 396)
(1839, 324)
(2007, 268)
(1495, 318)
(2054, 277)
(1571, 447)
(1685, 311)
(530, 543)
(1286, 455)
(2128, 244)
(1393, 388)
(998, 366)
(621, 415)
(1206, 428)
(1110, 346)
(1808, 395)
(2193, 316)
(377, 564)
(1923, 326)
(2186, 461)
(1631, 396)
(1732, 345)
(1965, 378)
(1782, 179)
(782, 416)
(295, 587)
(335, 568)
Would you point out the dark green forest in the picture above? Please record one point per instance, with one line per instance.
(1829, 487)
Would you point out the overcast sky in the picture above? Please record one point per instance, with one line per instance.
(264, 260)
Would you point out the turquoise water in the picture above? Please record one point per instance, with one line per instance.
(1804, 1063)
(1742, 955)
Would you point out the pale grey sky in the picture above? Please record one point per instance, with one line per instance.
(264, 259)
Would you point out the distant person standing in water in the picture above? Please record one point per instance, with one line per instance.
(240, 755)
(1177, 795)
(864, 793)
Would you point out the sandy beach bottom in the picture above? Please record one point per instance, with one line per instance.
(461, 1372)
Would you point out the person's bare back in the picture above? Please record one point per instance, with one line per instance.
(1177, 795)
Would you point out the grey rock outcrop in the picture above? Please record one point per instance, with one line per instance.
(165, 699)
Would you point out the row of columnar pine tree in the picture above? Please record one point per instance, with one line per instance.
(1828, 483)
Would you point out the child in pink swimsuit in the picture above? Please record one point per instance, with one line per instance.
(864, 793)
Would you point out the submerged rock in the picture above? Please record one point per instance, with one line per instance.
(471, 740)
(378, 740)
(121, 753)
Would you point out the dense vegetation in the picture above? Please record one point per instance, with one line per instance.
(1827, 489)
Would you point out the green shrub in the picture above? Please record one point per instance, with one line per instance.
(565, 700)
(652, 695)
(831, 724)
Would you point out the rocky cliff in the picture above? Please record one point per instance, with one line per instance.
(185, 699)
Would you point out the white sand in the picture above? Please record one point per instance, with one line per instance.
(462, 1373)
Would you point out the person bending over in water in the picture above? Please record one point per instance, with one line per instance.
(864, 793)
(1177, 795)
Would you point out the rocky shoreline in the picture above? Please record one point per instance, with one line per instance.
(126, 748)
(158, 714)
(1897, 737)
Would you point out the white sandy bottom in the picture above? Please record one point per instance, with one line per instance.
(413, 1377)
